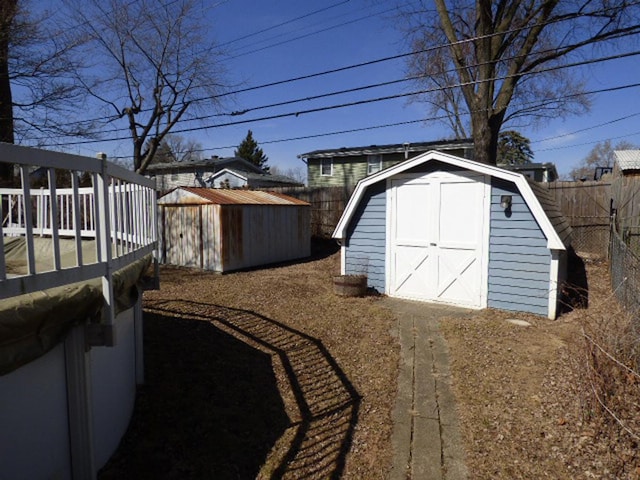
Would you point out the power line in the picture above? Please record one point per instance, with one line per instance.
(427, 119)
(359, 65)
(592, 142)
(333, 27)
(286, 22)
(380, 84)
(393, 82)
(610, 122)
(374, 100)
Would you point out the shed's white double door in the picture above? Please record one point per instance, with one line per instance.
(437, 237)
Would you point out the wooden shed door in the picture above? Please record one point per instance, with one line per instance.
(437, 238)
(182, 236)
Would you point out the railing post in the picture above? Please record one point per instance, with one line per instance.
(28, 219)
(3, 267)
(53, 203)
(104, 334)
(76, 217)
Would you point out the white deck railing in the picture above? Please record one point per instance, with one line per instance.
(118, 211)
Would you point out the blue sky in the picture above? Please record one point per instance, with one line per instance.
(348, 32)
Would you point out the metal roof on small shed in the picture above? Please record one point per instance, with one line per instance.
(628, 159)
(198, 195)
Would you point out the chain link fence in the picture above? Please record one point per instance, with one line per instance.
(591, 240)
(625, 274)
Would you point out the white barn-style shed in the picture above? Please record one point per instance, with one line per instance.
(440, 228)
(224, 230)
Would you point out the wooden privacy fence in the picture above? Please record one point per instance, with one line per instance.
(327, 205)
(587, 207)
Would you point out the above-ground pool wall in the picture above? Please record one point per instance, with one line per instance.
(519, 260)
(365, 249)
(40, 416)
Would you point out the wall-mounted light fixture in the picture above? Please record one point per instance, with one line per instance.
(505, 202)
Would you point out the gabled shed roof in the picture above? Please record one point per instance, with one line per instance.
(540, 201)
(627, 159)
(200, 196)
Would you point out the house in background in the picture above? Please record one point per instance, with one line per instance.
(346, 166)
(234, 178)
(232, 172)
(538, 172)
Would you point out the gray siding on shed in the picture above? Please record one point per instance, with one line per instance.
(366, 247)
(519, 260)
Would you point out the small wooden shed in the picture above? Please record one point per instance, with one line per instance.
(440, 228)
(225, 230)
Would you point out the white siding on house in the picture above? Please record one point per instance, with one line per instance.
(170, 181)
(229, 180)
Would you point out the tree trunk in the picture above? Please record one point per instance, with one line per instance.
(486, 133)
(8, 10)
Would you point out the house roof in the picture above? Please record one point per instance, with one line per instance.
(628, 159)
(262, 177)
(539, 201)
(392, 148)
(200, 196)
(214, 163)
(531, 166)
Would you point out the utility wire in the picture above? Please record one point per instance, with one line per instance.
(360, 65)
(426, 119)
(610, 122)
(369, 86)
(593, 92)
(282, 24)
(300, 37)
(370, 100)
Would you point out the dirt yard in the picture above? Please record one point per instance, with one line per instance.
(268, 374)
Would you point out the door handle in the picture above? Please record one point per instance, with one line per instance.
(433, 244)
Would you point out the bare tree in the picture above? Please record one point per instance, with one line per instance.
(175, 148)
(37, 94)
(295, 173)
(505, 58)
(152, 63)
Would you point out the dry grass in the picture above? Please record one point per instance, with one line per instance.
(526, 407)
(269, 374)
(262, 374)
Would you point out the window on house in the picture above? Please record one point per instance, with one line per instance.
(374, 164)
(326, 167)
